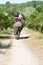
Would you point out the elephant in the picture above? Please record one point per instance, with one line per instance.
(18, 26)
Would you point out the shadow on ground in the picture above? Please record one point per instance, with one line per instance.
(5, 37)
(25, 37)
(5, 46)
(2, 52)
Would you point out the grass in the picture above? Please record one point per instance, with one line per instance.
(0, 43)
(35, 35)
(6, 32)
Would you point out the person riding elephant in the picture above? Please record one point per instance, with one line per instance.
(18, 25)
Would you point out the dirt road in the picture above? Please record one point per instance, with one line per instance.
(18, 54)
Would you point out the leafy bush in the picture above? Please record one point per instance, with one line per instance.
(6, 19)
(36, 19)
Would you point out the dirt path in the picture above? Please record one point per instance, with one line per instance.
(18, 54)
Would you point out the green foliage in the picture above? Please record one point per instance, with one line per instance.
(6, 15)
(36, 19)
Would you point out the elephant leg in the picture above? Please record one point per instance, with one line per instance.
(16, 31)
